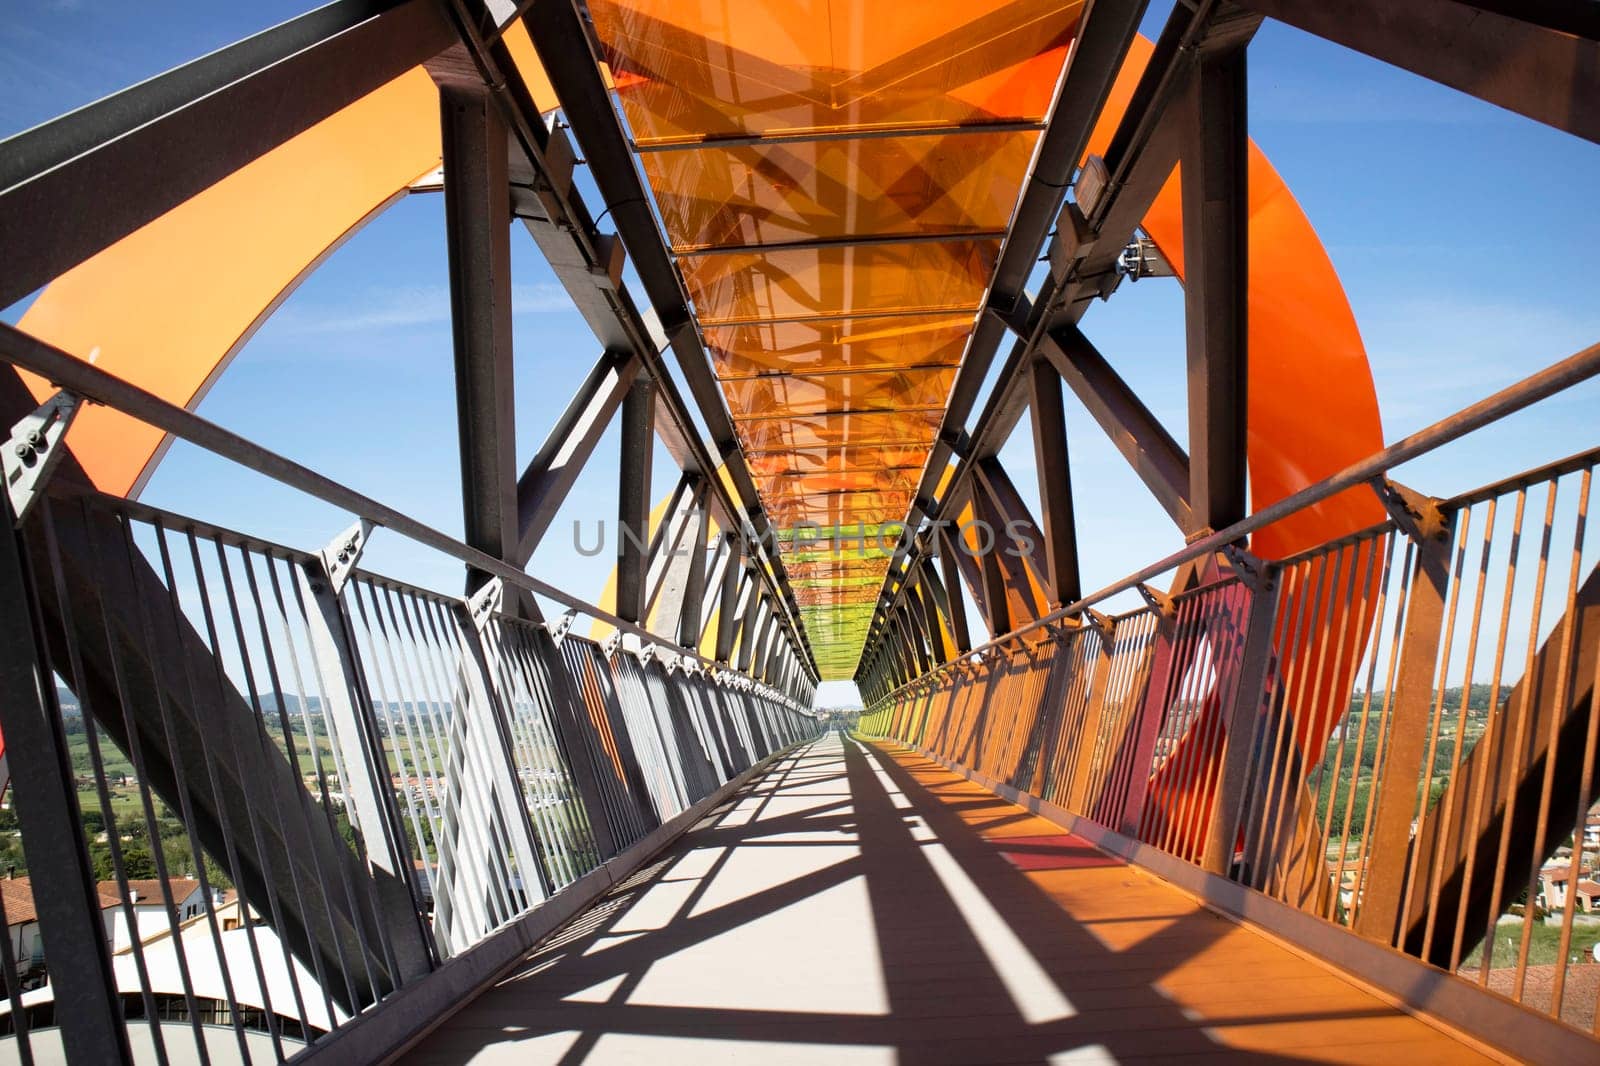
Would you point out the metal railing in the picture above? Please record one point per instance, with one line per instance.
(1395, 732)
(256, 792)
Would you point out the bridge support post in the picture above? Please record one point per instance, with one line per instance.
(1411, 706)
(1240, 712)
(1216, 242)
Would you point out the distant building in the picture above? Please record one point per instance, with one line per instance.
(22, 922)
(149, 902)
(197, 962)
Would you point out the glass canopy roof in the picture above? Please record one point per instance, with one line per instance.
(835, 180)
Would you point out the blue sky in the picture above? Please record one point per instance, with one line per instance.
(1453, 225)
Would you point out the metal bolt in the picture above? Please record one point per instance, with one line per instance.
(24, 451)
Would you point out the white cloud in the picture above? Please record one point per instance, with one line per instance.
(1441, 350)
(406, 307)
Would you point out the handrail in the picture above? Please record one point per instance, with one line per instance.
(90, 382)
(1555, 378)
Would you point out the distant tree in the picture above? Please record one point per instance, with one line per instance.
(137, 863)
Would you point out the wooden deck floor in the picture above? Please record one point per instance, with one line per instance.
(858, 903)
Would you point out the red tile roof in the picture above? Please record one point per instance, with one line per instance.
(153, 890)
(17, 894)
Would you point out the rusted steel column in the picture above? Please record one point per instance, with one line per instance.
(1216, 241)
(1410, 707)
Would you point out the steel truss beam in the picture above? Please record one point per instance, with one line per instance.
(703, 560)
(549, 477)
(865, 240)
(1539, 58)
(1142, 153)
(1104, 37)
(214, 115)
(1052, 463)
(1018, 543)
(633, 497)
(563, 45)
(948, 594)
(826, 135)
(1141, 438)
(728, 597)
(1216, 239)
(477, 205)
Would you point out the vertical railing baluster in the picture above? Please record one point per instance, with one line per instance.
(46, 798)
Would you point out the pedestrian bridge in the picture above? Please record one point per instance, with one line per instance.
(1320, 784)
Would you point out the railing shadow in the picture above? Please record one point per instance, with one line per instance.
(887, 862)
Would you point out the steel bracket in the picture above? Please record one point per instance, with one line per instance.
(642, 650)
(483, 604)
(561, 627)
(34, 448)
(1142, 259)
(1159, 601)
(611, 645)
(340, 556)
(1419, 517)
(1095, 620)
(1251, 569)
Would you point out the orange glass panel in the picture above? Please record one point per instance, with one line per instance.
(902, 478)
(169, 305)
(687, 71)
(832, 460)
(800, 282)
(836, 348)
(785, 395)
(838, 344)
(825, 431)
(842, 509)
(854, 498)
(794, 191)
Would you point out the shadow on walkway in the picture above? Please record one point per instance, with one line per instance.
(859, 903)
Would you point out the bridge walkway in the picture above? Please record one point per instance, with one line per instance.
(859, 903)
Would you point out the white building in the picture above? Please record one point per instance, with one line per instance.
(149, 902)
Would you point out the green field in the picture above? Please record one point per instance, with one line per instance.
(1544, 942)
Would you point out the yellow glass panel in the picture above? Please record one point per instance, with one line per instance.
(712, 197)
(786, 395)
(800, 282)
(872, 343)
(836, 549)
(693, 70)
(835, 568)
(851, 590)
